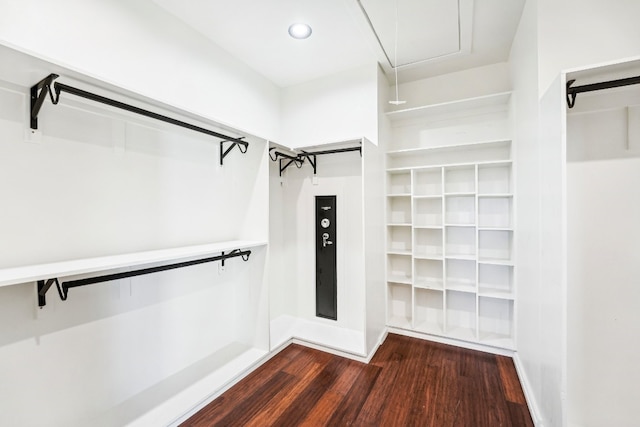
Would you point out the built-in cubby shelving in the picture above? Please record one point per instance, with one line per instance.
(450, 268)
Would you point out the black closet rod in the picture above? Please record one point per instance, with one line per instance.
(63, 289)
(45, 84)
(572, 92)
(338, 150)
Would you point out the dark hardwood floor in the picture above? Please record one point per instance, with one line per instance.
(409, 382)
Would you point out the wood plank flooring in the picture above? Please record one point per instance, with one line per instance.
(409, 382)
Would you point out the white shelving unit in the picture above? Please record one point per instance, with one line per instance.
(450, 268)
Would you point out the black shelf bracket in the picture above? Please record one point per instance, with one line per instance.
(47, 85)
(573, 91)
(285, 159)
(311, 157)
(63, 288)
(239, 143)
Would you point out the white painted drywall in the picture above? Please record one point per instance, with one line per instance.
(603, 260)
(373, 181)
(138, 46)
(524, 74)
(553, 259)
(336, 108)
(293, 288)
(97, 184)
(578, 33)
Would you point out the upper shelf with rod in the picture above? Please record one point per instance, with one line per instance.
(573, 91)
(134, 263)
(310, 154)
(48, 86)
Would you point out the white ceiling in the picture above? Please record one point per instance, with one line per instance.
(434, 36)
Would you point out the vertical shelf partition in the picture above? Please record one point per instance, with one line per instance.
(450, 242)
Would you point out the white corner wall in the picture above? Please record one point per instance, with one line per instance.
(293, 267)
(336, 108)
(138, 46)
(525, 110)
(373, 181)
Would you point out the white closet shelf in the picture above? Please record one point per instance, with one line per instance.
(433, 110)
(32, 273)
(495, 261)
(404, 169)
(497, 294)
(495, 195)
(453, 147)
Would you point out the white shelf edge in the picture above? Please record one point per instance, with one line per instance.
(399, 195)
(495, 195)
(410, 151)
(399, 252)
(460, 225)
(32, 273)
(399, 224)
(428, 197)
(506, 262)
(428, 287)
(485, 228)
(410, 168)
(460, 257)
(465, 289)
(399, 281)
(497, 295)
(461, 194)
(495, 99)
(429, 257)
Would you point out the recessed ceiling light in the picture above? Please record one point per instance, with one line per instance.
(299, 31)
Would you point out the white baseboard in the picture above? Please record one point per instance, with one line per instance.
(528, 391)
(451, 341)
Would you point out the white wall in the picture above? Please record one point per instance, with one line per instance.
(577, 33)
(464, 84)
(340, 175)
(138, 46)
(336, 108)
(603, 147)
(97, 185)
(524, 67)
(552, 36)
(373, 181)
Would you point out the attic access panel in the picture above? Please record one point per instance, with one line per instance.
(427, 29)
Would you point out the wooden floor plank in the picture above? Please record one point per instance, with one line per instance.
(509, 377)
(350, 407)
(409, 382)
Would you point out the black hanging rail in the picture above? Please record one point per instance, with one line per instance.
(572, 92)
(310, 156)
(63, 288)
(39, 93)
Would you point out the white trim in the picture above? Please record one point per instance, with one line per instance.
(452, 341)
(529, 395)
(226, 386)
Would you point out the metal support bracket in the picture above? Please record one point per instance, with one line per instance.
(312, 160)
(240, 144)
(571, 96)
(38, 94)
(63, 289)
